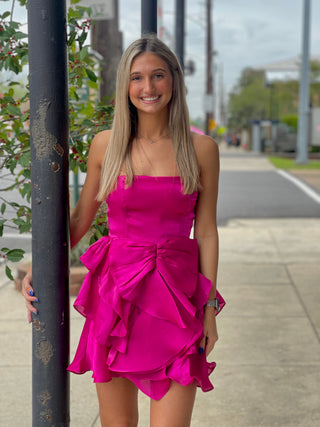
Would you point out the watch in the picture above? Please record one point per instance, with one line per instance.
(213, 303)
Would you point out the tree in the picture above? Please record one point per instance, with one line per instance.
(248, 100)
(253, 99)
(86, 117)
(315, 83)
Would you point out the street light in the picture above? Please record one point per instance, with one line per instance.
(303, 122)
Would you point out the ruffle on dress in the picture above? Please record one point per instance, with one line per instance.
(143, 303)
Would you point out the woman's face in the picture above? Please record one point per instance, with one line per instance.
(150, 87)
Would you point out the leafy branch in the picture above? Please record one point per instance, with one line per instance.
(87, 116)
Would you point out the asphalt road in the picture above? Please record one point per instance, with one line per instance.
(262, 194)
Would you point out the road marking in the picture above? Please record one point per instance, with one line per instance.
(304, 187)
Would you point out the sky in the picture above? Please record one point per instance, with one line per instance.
(246, 33)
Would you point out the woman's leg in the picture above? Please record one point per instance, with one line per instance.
(175, 408)
(118, 403)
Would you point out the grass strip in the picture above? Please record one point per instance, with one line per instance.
(284, 163)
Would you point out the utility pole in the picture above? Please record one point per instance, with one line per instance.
(107, 41)
(220, 106)
(303, 122)
(50, 211)
(209, 55)
(180, 14)
(160, 20)
(148, 16)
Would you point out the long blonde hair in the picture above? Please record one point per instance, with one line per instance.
(125, 122)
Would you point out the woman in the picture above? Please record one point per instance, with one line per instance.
(149, 298)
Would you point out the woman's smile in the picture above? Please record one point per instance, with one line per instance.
(150, 99)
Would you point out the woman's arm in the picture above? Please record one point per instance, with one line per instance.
(83, 214)
(205, 229)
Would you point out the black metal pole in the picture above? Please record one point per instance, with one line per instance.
(148, 16)
(180, 31)
(50, 210)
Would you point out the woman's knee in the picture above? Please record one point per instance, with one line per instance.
(118, 403)
(119, 422)
(175, 408)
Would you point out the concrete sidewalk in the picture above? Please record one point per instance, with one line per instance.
(268, 355)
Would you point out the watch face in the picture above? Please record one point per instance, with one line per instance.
(214, 303)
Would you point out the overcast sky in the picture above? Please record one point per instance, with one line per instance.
(246, 33)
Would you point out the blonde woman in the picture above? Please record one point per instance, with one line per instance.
(150, 296)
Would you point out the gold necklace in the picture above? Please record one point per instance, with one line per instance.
(152, 141)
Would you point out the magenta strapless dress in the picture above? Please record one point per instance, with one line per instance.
(143, 296)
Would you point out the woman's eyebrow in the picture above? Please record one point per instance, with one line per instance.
(159, 69)
(153, 71)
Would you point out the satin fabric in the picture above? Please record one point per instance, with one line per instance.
(143, 297)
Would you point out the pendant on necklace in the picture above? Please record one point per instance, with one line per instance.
(153, 141)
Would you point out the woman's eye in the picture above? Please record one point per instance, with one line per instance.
(159, 76)
(135, 78)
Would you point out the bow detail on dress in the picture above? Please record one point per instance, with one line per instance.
(160, 279)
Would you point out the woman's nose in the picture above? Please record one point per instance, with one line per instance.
(148, 85)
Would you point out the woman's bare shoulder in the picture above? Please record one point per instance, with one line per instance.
(101, 139)
(206, 149)
(99, 145)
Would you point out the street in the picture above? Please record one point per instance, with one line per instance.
(262, 193)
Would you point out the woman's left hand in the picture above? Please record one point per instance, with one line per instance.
(209, 331)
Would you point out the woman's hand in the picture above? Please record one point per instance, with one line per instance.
(27, 292)
(209, 331)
